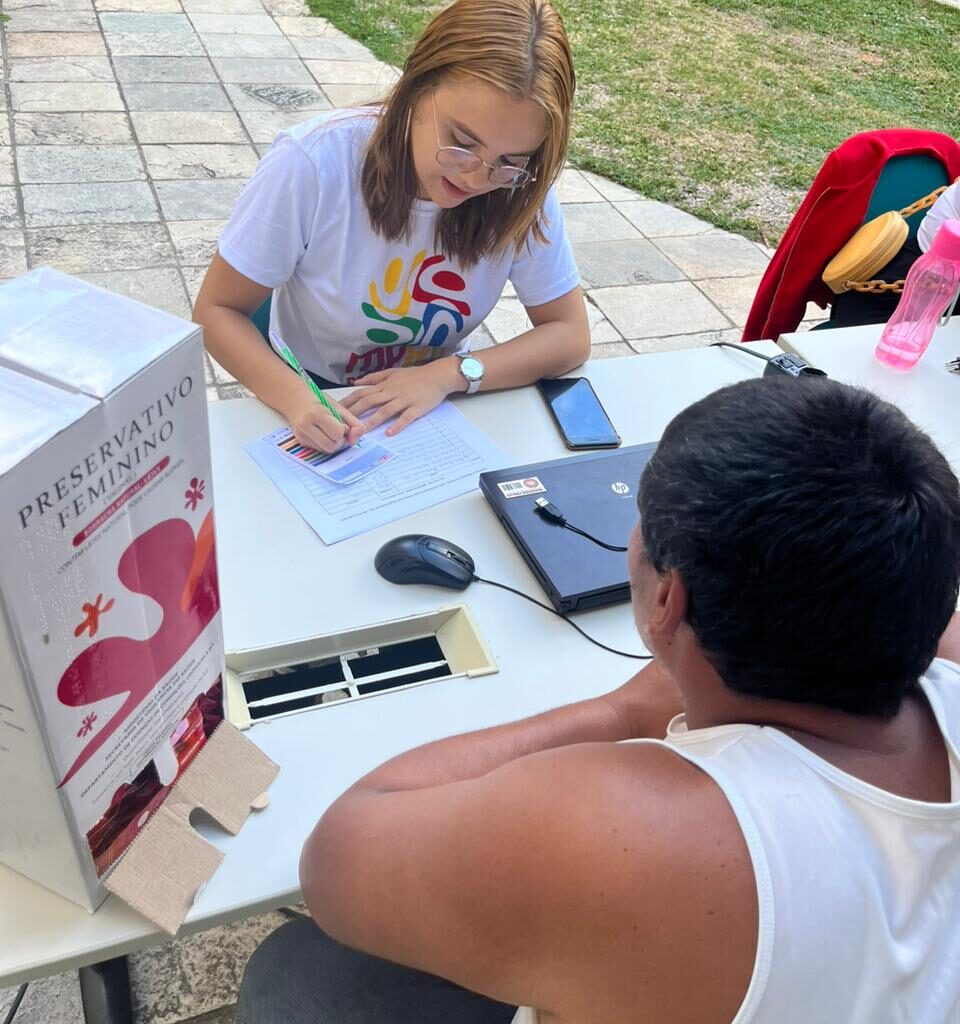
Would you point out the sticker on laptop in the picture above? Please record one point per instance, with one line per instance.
(519, 488)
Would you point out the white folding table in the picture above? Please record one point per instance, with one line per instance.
(929, 394)
(279, 583)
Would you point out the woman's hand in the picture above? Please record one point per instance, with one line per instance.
(406, 393)
(314, 426)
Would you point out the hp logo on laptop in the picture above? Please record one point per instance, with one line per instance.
(619, 487)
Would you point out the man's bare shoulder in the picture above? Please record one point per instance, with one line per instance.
(636, 853)
(633, 807)
(592, 778)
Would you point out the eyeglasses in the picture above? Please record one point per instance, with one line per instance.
(453, 158)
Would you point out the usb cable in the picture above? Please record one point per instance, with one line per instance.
(547, 510)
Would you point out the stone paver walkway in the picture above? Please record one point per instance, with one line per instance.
(132, 125)
(127, 131)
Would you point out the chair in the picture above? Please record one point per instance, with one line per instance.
(866, 175)
(261, 317)
(902, 180)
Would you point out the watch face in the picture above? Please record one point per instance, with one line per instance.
(471, 368)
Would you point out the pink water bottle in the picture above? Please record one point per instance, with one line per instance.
(928, 290)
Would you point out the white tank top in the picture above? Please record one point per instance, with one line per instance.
(858, 890)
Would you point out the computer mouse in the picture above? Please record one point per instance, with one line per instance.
(418, 558)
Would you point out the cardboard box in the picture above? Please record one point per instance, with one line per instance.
(111, 648)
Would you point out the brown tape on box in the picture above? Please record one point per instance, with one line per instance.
(169, 863)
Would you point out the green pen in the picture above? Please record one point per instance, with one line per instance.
(294, 364)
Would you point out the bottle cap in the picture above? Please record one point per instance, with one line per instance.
(946, 242)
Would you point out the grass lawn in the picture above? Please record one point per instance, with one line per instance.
(726, 108)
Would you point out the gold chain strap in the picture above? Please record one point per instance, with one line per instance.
(874, 287)
(923, 204)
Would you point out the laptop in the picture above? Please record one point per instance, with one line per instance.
(597, 493)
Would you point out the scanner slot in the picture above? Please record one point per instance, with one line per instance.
(272, 683)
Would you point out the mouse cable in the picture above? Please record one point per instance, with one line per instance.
(740, 347)
(560, 615)
(547, 510)
(789, 363)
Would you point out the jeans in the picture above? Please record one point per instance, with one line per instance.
(301, 976)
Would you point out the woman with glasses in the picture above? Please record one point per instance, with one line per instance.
(387, 233)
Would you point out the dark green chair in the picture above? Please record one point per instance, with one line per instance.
(904, 180)
(261, 317)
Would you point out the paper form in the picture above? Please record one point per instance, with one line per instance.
(437, 457)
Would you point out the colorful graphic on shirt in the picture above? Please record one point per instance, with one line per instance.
(414, 311)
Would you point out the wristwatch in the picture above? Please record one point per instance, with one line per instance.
(472, 370)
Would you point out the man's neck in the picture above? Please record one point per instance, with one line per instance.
(708, 701)
(813, 721)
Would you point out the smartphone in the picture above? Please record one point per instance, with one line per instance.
(577, 411)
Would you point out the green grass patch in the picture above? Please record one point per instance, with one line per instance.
(726, 108)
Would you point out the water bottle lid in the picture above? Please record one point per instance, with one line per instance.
(946, 242)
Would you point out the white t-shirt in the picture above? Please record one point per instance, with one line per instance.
(946, 207)
(347, 301)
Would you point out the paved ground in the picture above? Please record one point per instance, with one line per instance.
(128, 129)
(132, 125)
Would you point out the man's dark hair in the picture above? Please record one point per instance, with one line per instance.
(817, 531)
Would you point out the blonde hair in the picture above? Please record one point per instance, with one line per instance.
(517, 46)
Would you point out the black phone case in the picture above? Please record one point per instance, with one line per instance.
(572, 445)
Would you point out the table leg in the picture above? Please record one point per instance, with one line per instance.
(105, 992)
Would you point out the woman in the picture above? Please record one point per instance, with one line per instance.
(386, 234)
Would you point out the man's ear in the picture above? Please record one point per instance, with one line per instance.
(669, 610)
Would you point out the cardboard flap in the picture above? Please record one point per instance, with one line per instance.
(164, 870)
(225, 779)
(169, 863)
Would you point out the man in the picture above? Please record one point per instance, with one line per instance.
(789, 853)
